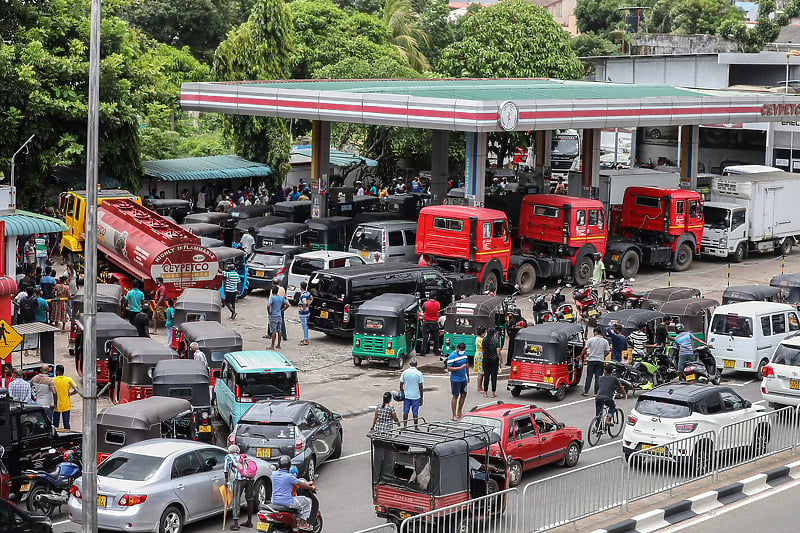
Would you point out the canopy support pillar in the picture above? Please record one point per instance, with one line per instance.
(543, 142)
(688, 148)
(320, 155)
(475, 171)
(440, 155)
(590, 165)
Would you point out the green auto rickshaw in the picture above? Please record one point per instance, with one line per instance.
(463, 317)
(386, 329)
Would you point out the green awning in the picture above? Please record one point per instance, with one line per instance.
(26, 223)
(302, 154)
(205, 168)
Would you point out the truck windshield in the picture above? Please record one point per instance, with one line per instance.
(368, 239)
(565, 146)
(717, 217)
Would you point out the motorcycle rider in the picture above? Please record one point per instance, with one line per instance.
(283, 485)
(685, 342)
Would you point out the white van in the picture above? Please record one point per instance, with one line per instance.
(391, 240)
(303, 265)
(745, 334)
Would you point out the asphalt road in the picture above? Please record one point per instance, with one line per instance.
(327, 375)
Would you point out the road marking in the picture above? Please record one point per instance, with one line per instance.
(568, 404)
(740, 384)
(348, 456)
(590, 448)
(61, 522)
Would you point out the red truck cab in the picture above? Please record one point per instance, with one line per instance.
(658, 226)
(474, 240)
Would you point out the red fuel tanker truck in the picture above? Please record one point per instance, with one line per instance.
(146, 246)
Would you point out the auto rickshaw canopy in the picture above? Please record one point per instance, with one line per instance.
(243, 226)
(631, 319)
(441, 439)
(173, 377)
(480, 307)
(227, 254)
(202, 229)
(210, 334)
(551, 338)
(388, 305)
(143, 414)
(109, 299)
(789, 285)
(207, 302)
(751, 293)
(138, 355)
(211, 217)
(109, 326)
(655, 297)
(693, 313)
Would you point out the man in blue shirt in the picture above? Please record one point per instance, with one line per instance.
(685, 342)
(42, 307)
(276, 305)
(283, 484)
(411, 383)
(458, 366)
(618, 341)
(134, 297)
(47, 283)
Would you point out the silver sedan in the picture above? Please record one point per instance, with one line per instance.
(161, 484)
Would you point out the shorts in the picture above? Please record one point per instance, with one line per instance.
(412, 405)
(458, 387)
(274, 325)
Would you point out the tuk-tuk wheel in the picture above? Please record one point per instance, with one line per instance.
(356, 360)
(559, 393)
(515, 391)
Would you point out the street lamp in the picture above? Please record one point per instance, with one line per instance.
(13, 157)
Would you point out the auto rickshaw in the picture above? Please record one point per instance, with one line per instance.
(359, 204)
(211, 217)
(547, 357)
(243, 226)
(296, 211)
(463, 317)
(694, 313)
(174, 208)
(241, 213)
(407, 206)
(149, 418)
(187, 379)
(417, 470)
(131, 363)
(203, 229)
(295, 233)
(653, 298)
(750, 293)
(789, 284)
(330, 233)
(386, 329)
(214, 340)
(109, 300)
(631, 320)
(238, 257)
(195, 305)
(109, 326)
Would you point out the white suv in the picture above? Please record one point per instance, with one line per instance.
(682, 410)
(781, 377)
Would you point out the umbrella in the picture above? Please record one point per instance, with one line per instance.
(225, 492)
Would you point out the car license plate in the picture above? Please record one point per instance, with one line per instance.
(364, 253)
(592, 312)
(568, 316)
(323, 314)
(615, 257)
(794, 384)
(25, 487)
(653, 449)
(689, 377)
(264, 453)
(101, 501)
(263, 526)
(204, 429)
(390, 351)
(259, 273)
(547, 379)
(727, 363)
(404, 515)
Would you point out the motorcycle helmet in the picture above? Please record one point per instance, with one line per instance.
(284, 463)
(69, 456)
(399, 395)
(679, 328)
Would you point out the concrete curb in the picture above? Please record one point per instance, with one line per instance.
(708, 501)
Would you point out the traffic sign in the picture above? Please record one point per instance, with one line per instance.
(9, 339)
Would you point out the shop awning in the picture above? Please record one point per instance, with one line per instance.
(26, 223)
(302, 154)
(205, 168)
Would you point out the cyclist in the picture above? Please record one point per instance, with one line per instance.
(609, 384)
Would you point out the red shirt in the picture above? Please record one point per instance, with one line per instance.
(430, 311)
(161, 295)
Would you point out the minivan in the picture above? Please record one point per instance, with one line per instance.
(745, 334)
(338, 292)
(303, 265)
(391, 240)
(250, 376)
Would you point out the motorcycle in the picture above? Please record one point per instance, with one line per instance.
(556, 311)
(44, 491)
(540, 308)
(703, 369)
(622, 296)
(281, 519)
(586, 300)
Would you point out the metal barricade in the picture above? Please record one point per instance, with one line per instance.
(495, 513)
(660, 468)
(756, 437)
(564, 498)
(388, 527)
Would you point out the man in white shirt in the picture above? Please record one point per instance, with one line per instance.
(198, 354)
(594, 354)
(248, 241)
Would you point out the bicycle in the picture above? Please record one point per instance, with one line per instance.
(598, 425)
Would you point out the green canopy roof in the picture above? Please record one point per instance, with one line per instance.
(26, 223)
(205, 168)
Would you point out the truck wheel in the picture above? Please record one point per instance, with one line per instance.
(739, 254)
(629, 265)
(583, 270)
(683, 257)
(785, 248)
(489, 283)
(526, 278)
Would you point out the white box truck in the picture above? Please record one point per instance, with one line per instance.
(751, 213)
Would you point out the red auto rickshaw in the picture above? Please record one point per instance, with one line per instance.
(109, 326)
(132, 360)
(547, 357)
(195, 305)
(109, 300)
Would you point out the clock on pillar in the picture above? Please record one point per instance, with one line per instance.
(508, 116)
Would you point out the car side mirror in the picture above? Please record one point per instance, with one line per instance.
(748, 404)
(337, 416)
(561, 425)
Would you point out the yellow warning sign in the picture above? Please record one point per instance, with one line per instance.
(9, 339)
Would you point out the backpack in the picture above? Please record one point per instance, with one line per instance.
(246, 467)
(27, 308)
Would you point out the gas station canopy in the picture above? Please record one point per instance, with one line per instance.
(484, 105)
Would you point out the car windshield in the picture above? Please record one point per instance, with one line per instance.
(716, 217)
(662, 408)
(368, 239)
(267, 259)
(495, 424)
(129, 466)
(786, 355)
(733, 325)
(266, 384)
(258, 429)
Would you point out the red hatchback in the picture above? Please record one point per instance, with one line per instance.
(529, 435)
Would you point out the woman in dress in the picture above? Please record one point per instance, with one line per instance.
(385, 416)
(58, 305)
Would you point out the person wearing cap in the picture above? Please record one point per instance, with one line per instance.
(281, 292)
(232, 280)
(411, 383)
(45, 390)
(458, 367)
(197, 353)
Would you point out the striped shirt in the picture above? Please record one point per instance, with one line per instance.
(232, 465)
(638, 339)
(231, 281)
(456, 359)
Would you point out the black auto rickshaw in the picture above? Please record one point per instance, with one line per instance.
(631, 320)
(109, 300)
(330, 233)
(547, 357)
(211, 217)
(386, 329)
(109, 326)
(694, 313)
(187, 379)
(296, 211)
(359, 204)
(463, 317)
(789, 284)
(243, 226)
(213, 339)
(130, 365)
(653, 298)
(750, 293)
(241, 213)
(436, 466)
(203, 229)
(195, 305)
(169, 207)
(238, 258)
(406, 206)
(149, 418)
(295, 233)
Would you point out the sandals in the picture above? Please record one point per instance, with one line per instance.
(303, 343)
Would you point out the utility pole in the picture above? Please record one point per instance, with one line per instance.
(13, 157)
(89, 477)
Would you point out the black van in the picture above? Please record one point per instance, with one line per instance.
(339, 291)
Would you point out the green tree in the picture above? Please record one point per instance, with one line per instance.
(598, 16)
(689, 17)
(259, 49)
(407, 36)
(589, 44)
(433, 20)
(370, 7)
